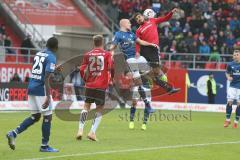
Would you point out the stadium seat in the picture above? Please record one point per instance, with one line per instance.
(210, 65)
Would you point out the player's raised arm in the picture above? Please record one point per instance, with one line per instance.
(166, 17)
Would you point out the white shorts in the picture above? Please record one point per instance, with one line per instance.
(36, 102)
(136, 95)
(233, 94)
(138, 64)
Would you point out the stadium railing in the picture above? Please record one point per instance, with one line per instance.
(9, 55)
(170, 60)
(195, 61)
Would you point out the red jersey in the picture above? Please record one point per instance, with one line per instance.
(148, 30)
(96, 68)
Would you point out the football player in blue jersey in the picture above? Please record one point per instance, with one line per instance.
(39, 96)
(126, 40)
(233, 93)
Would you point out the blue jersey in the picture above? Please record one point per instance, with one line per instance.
(44, 61)
(126, 41)
(233, 69)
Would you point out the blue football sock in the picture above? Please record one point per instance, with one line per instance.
(26, 123)
(146, 115)
(228, 111)
(143, 95)
(132, 113)
(46, 127)
(237, 113)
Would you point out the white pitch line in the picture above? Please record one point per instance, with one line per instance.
(135, 150)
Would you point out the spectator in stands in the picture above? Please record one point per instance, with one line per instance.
(215, 56)
(15, 78)
(205, 30)
(221, 39)
(193, 48)
(230, 41)
(204, 48)
(26, 79)
(3, 29)
(27, 43)
(1, 39)
(8, 43)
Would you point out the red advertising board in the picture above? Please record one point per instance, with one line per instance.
(49, 12)
(177, 77)
(7, 71)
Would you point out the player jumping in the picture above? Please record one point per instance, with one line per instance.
(39, 96)
(95, 71)
(126, 40)
(148, 32)
(233, 75)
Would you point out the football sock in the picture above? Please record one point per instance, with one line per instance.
(237, 114)
(83, 117)
(96, 122)
(132, 113)
(142, 94)
(46, 128)
(228, 111)
(146, 115)
(26, 123)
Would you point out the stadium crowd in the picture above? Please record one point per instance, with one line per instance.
(207, 27)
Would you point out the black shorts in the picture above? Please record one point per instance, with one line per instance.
(151, 55)
(96, 96)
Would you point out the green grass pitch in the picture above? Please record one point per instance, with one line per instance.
(200, 138)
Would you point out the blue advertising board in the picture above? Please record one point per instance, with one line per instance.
(197, 93)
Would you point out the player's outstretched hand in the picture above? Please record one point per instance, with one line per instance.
(175, 10)
(46, 103)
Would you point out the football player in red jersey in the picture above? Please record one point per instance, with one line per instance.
(148, 32)
(96, 72)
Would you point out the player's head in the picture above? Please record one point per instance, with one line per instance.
(52, 44)
(139, 18)
(236, 52)
(149, 13)
(125, 24)
(98, 41)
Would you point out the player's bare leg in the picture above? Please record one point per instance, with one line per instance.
(83, 117)
(227, 122)
(96, 121)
